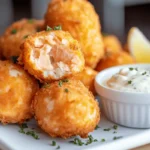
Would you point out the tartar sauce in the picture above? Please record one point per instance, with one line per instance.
(130, 80)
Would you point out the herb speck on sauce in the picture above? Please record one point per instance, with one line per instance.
(130, 80)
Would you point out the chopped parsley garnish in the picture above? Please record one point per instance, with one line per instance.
(25, 36)
(97, 127)
(77, 141)
(46, 85)
(115, 127)
(22, 127)
(53, 143)
(103, 140)
(129, 82)
(30, 20)
(117, 137)
(22, 130)
(62, 81)
(108, 129)
(131, 69)
(66, 90)
(65, 80)
(58, 147)
(48, 28)
(90, 140)
(14, 31)
(58, 27)
(14, 59)
(144, 73)
(33, 134)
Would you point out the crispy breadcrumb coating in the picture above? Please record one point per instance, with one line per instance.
(115, 59)
(87, 77)
(15, 35)
(17, 89)
(52, 55)
(80, 19)
(112, 43)
(66, 108)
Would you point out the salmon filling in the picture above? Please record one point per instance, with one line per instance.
(54, 57)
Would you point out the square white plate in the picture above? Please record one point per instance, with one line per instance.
(12, 139)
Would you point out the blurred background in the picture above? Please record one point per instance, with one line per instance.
(117, 16)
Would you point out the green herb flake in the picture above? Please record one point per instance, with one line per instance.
(65, 80)
(58, 147)
(103, 140)
(117, 137)
(131, 69)
(77, 141)
(53, 143)
(33, 134)
(30, 21)
(14, 31)
(58, 27)
(46, 85)
(90, 140)
(97, 127)
(115, 127)
(48, 28)
(108, 129)
(14, 59)
(60, 83)
(24, 125)
(66, 90)
(114, 132)
(144, 73)
(25, 36)
(22, 130)
(129, 82)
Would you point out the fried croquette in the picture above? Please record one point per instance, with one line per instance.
(111, 43)
(80, 19)
(15, 35)
(52, 55)
(66, 108)
(17, 89)
(87, 77)
(115, 59)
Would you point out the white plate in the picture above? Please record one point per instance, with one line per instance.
(11, 139)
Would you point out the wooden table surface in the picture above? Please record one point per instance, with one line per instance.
(145, 147)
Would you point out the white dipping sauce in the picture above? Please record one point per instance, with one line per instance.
(130, 80)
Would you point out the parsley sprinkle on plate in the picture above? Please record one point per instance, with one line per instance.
(115, 127)
(53, 143)
(117, 137)
(97, 127)
(108, 129)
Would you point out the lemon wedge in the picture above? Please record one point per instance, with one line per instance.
(138, 45)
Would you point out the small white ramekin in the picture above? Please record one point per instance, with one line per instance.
(124, 108)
